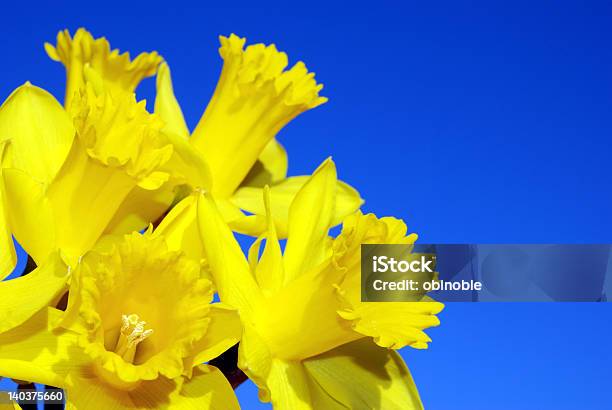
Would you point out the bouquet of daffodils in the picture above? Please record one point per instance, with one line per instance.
(128, 219)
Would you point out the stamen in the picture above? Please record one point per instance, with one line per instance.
(132, 333)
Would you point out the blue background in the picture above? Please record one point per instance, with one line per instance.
(474, 121)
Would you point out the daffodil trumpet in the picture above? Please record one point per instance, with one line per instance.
(116, 346)
(119, 72)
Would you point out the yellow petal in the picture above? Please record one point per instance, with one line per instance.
(252, 225)
(117, 71)
(301, 319)
(206, 389)
(180, 229)
(140, 208)
(154, 180)
(289, 386)
(29, 214)
(84, 197)
(8, 257)
(223, 332)
(310, 217)
(363, 375)
(271, 166)
(187, 165)
(91, 393)
(282, 195)
(235, 284)
(254, 99)
(270, 374)
(37, 353)
(255, 359)
(166, 105)
(270, 270)
(274, 160)
(40, 132)
(394, 324)
(22, 297)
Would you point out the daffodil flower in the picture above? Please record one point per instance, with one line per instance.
(308, 340)
(254, 99)
(89, 59)
(64, 175)
(137, 328)
(256, 96)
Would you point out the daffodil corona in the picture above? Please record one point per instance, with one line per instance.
(117, 346)
(84, 52)
(254, 99)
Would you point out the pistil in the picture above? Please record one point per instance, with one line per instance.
(132, 333)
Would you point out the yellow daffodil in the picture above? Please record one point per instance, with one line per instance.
(256, 96)
(137, 328)
(254, 99)
(308, 340)
(64, 175)
(89, 59)
(109, 145)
